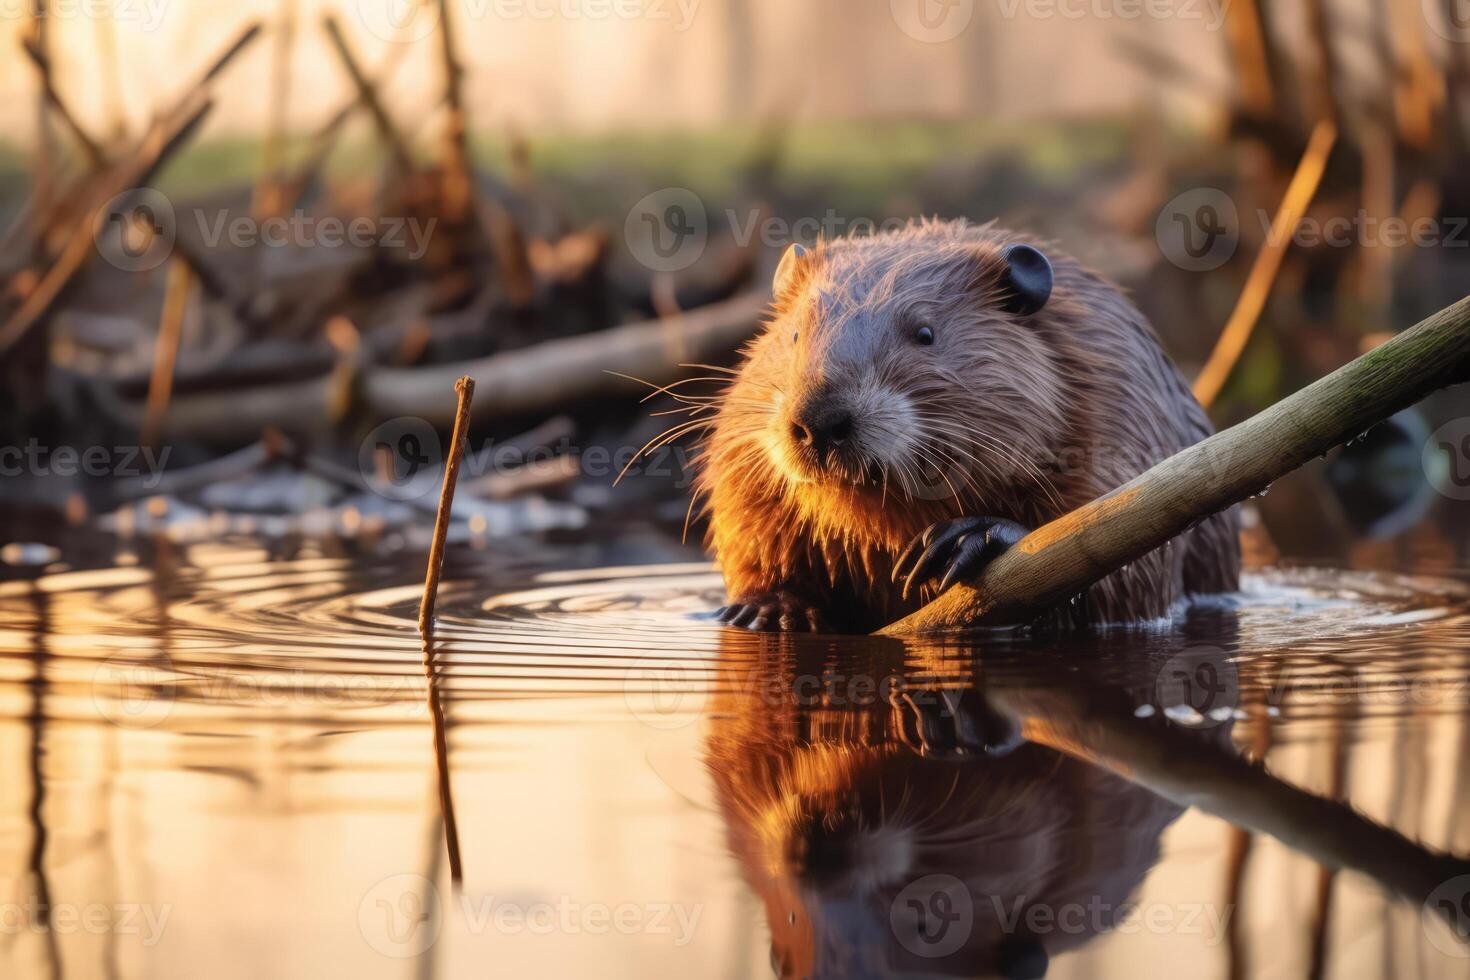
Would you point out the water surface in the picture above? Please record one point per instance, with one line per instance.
(222, 763)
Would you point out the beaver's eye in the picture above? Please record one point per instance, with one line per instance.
(924, 336)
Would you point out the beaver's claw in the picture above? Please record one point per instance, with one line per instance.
(958, 549)
(772, 612)
(949, 723)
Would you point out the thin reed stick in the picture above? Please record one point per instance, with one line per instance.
(465, 388)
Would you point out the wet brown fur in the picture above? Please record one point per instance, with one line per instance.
(1024, 418)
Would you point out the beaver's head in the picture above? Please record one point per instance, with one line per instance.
(910, 365)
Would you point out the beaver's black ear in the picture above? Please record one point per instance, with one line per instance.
(1027, 281)
(791, 269)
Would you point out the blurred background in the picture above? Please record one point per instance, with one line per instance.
(253, 246)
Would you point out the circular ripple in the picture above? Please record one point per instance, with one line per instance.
(216, 625)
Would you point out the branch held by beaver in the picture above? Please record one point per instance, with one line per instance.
(1175, 495)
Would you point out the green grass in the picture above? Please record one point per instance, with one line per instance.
(851, 164)
(854, 162)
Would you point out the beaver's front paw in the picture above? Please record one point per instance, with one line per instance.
(958, 549)
(772, 612)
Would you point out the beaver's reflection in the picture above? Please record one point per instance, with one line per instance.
(896, 822)
(933, 821)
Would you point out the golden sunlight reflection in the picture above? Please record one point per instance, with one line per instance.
(628, 777)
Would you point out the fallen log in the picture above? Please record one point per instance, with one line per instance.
(545, 377)
(527, 381)
(1063, 558)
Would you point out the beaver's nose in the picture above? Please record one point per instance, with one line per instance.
(823, 428)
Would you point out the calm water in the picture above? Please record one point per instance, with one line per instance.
(221, 761)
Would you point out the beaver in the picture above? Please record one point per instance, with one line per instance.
(917, 401)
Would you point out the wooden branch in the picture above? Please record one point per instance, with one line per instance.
(1066, 556)
(324, 140)
(157, 149)
(266, 200)
(368, 94)
(1325, 72)
(544, 378)
(166, 348)
(96, 158)
(1253, 295)
(464, 388)
(1250, 59)
(45, 162)
(242, 41)
(459, 176)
